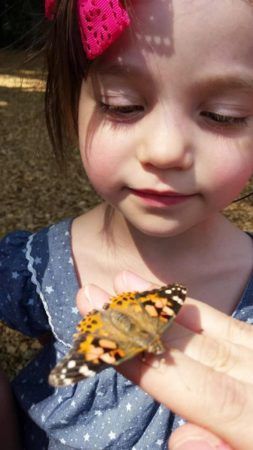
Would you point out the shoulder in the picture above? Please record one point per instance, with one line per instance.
(19, 244)
(25, 270)
(25, 255)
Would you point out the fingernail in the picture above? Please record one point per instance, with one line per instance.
(200, 445)
(88, 296)
(96, 297)
(133, 281)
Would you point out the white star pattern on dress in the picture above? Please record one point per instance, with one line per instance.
(117, 402)
(112, 435)
(181, 422)
(14, 275)
(37, 260)
(49, 289)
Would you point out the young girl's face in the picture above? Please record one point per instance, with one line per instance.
(166, 115)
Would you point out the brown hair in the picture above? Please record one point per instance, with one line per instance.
(67, 67)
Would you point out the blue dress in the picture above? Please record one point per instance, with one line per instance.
(38, 286)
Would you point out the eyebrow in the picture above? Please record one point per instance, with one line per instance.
(213, 83)
(122, 70)
(225, 83)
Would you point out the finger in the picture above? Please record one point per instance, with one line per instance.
(128, 281)
(222, 356)
(202, 318)
(195, 315)
(192, 437)
(198, 393)
(91, 297)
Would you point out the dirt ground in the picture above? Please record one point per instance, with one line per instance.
(33, 191)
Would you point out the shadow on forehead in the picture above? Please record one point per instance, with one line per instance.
(152, 24)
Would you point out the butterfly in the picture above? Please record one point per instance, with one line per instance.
(131, 323)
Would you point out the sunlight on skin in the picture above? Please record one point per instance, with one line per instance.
(193, 348)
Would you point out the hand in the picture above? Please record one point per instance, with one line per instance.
(204, 376)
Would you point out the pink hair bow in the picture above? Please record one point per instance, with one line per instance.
(49, 9)
(101, 23)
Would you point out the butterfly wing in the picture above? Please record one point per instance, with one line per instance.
(113, 335)
(163, 304)
(97, 344)
(158, 306)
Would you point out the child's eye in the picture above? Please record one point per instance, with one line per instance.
(121, 111)
(224, 120)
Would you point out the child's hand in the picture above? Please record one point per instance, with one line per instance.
(205, 376)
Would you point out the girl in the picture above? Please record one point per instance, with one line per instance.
(159, 94)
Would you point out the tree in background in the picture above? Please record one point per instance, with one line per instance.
(21, 22)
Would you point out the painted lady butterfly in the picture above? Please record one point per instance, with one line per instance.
(132, 322)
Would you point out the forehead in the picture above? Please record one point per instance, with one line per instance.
(174, 34)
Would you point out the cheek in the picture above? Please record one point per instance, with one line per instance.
(229, 172)
(103, 165)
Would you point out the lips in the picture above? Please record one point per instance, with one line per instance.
(160, 198)
(159, 193)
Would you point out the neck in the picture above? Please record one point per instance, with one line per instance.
(168, 258)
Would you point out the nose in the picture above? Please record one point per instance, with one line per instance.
(167, 144)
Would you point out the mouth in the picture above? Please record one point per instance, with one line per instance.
(160, 198)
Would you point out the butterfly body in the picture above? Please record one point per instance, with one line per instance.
(131, 323)
(132, 332)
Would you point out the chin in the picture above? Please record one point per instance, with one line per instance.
(163, 231)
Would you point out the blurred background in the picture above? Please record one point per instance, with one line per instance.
(33, 191)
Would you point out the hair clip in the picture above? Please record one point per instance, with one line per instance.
(101, 23)
(49, 9)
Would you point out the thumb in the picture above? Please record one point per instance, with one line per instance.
(192, 437)
(90, 297)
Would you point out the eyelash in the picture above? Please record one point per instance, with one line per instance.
(128, 112)
(121, 111)
(224, 120)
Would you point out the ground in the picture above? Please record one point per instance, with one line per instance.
(34, 192)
